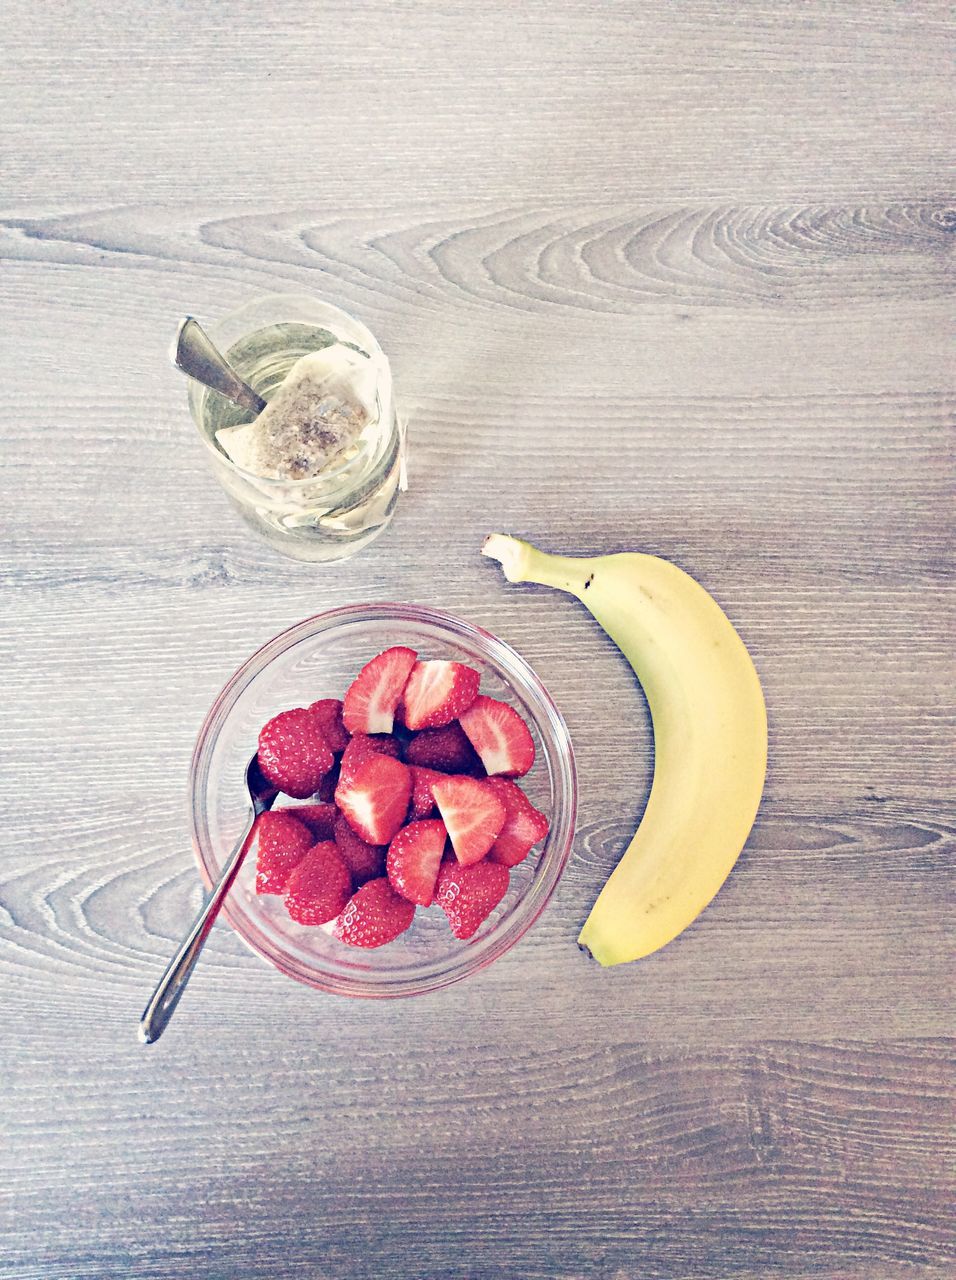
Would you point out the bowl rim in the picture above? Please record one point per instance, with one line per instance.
(552, 859)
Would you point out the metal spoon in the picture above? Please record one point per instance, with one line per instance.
(196, 354)
(164, 999)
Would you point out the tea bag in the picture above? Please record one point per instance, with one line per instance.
(319, 411)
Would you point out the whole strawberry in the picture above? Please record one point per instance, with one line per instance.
(375, 915)
(365, 861)
(468, 895)
(319, 818)
(326, 791)
(447, 750)
(328, 712)
(283, 841)
(319, 887)
(524, 824)
(366, 744)
(293, 753)
(413, 859)
(422, 802)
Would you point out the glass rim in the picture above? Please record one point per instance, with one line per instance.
(434, 974)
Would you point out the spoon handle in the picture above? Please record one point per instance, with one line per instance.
(171, 985)
(194, 352)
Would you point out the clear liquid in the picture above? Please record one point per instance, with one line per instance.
(338, 512)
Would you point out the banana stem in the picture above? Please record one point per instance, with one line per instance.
(521, 562)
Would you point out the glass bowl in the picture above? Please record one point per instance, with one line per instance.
(319, 658)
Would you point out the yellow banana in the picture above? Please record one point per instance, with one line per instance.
(710, 738)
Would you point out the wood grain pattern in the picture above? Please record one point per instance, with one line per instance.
(597, 258)
(676, 278)
(556, 99)
(700, 1163)
(801, 903)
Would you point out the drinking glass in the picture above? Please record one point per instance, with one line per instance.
(331, 516)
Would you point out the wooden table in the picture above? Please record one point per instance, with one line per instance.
(670, 277)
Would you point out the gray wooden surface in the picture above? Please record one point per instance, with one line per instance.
(659, 276)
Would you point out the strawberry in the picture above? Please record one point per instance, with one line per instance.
(283, 843)
(364, 744)
(293, 753)
(374, 915)
(319, 887)
(500, 736)
(468, 895)
(328, 712)
(423, 802)
(414, 857)
(365, 861)
(369, 705)
(524, 824)
(319, 818)
(473, 815)
(326, 791)
(446, 749)
(374, 797)
(437, 693)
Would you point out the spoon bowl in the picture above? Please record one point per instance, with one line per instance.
(195, 354)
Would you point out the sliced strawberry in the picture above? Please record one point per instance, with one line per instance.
(414, 857)
(374, 797)
(328, 712)
(423, 802)
(473, 815)
(437, 693)
(319, 818)
(293, 753)
(446, 749)
(319, 887)
(365, 861)
(524, 824)
(374, 915)
(468, 895)
(364, 744)
(283, 841)
(373, 695)
(500, 736)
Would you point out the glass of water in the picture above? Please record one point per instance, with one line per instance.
(330, 516)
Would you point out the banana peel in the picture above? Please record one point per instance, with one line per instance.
(710, 738)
